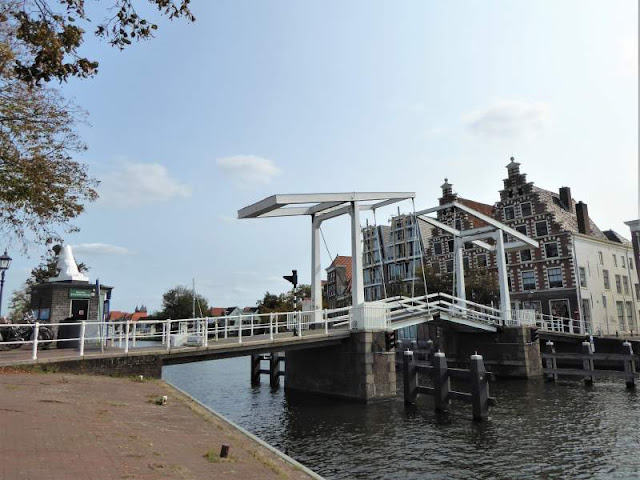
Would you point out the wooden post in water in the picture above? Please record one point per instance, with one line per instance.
(629, 365)
(274, 370)
(479, 389)
(409, 378)
(429, 354)
(255, 370)
(551, 363)
(441, 383)
(587, 363)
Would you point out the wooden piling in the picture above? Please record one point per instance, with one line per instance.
(410, 378)
(274, 370)
(629, 365)
(551, 363)
(587, 363)
(430, 351)
(479, 389)
(255, 370)
(441, 383)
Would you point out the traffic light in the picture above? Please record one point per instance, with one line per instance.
(535, 335)
(390, 340)
(293, 278)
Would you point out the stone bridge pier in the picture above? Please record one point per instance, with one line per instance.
(358, 369)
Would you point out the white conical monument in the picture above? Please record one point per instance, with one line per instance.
(68, 269)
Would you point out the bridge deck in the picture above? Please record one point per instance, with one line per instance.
(222, 348)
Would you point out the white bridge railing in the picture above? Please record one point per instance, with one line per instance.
(201, 332)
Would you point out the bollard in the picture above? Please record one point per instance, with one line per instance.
(479, 389)
(274, 370)
(255, 370)
(551, 363)
(36, 332)
(224, 451)
(587, 363)
(629, 366)
(83, 329)
(409, 377)
(441, 383)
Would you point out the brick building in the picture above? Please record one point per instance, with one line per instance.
(571, 274)
(338, 286)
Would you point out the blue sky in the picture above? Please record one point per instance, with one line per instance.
(258, 98)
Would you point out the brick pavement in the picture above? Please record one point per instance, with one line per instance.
(70, 427)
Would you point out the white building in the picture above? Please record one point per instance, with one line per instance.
(609, 292)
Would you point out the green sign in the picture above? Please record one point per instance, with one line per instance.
(79, 293)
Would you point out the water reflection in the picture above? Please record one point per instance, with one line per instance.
(538, 430)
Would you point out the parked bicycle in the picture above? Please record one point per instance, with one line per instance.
(11, 336)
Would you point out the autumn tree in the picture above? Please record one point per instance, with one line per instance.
(42, 187)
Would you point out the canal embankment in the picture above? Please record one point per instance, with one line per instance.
(64, 426)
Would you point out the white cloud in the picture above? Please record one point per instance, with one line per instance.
(508, 118)
(248, 171)
(134, 184)
(100, 249)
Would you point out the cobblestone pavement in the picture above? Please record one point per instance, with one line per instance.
(59, 427)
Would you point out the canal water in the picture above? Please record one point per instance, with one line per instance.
(538, 430)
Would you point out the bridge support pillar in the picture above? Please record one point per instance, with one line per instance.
(359, 369)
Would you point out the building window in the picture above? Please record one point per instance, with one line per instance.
(555, 277)
(618, 284)
(625, 283)
(605, 277)
(525, 255)
(482, 260)
(541, 229)
(506, 258)
(559, 308)
(630, 321)
(437, 248)
(509, 213)
(620, 312)
(449, 266)
(551, 249)
(534, 305)
(583, 277)
(604, 301)
(600, 258)
(458, 225)
(436, 267)
(525, 209)
(622, 261)
(637, 287)
(615, 260)
(465, 263)
(528, 280)
(450, 245)
(630, 263)
(522, 229)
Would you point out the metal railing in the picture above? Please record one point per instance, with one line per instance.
(92, 336)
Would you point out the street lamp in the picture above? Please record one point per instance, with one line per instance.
(5, 261)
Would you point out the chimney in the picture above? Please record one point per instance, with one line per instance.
(565, 198)
(583, 218)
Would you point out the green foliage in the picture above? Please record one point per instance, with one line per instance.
(283, 302)
(177, 303)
